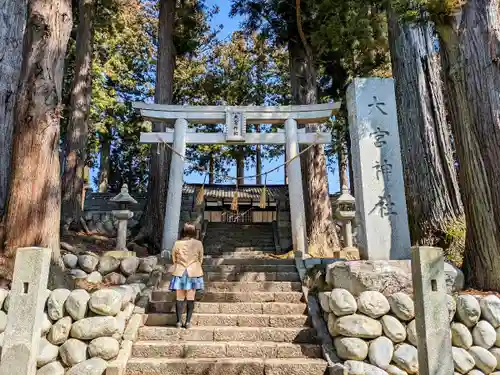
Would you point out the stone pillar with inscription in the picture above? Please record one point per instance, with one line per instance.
(378, 172)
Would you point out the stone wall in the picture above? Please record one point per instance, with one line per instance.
(371, 319)
(90, 330)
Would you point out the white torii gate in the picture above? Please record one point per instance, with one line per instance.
(236, 119)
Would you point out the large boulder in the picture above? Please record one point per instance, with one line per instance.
(342, 302)
(129, 265)
(148, 264)
(402, 306)
(393, 328)
(490, 310)
(406, 357)
(47, 353)
(324, 301)
(46, 324)
(373, 304)
(108, 264)
(468, 310)
(362, 368)
(384, 276)
(380, 352)
(115, 278)
(55, 303)
(91, 328)
(93, 366)
(77, 304)
(104, 347)
(70, 260)
(351, 348)
(73, 351)
(359, 326)
(462, 360)
(88, 262)
(59, 332)
(53, 368)
(411, 333)
(107, 302)
(461, 337)
(484, 335)
(485, 361)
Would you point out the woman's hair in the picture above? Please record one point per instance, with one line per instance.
(189, 231)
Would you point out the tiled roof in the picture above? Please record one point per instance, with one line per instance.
(101, 201)
(253, 192)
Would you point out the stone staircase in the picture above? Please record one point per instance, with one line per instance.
(250, 320)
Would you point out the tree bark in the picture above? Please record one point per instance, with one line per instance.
(322, 235)
(34, 201)
(258, 160)
(240, 165)
(211, 176)
(78, 129)
(154, 213)
(470, 47)
(105, 163)
(13, 12)
(427, 154)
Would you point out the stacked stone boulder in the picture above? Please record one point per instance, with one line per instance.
(374, 334)
(84, 331)
(109, 270)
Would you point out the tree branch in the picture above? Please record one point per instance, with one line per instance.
(301, 30)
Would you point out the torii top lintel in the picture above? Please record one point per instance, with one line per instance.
(303, 114)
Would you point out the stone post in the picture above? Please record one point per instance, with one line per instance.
(24, 321)
(378, 173)
(123, 215)
(175, 182)
(431, 313)
(296, 194)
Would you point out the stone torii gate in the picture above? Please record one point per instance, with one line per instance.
(235, 133)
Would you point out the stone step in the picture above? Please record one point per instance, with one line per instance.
(240, 249)
(221, 349)
(306, 335)
(226, 320)
(248, 276)
(234, 297)
(260, 286)
(250, 268)
(216, 261)
(246, 255)
(226, 366)
(235, 308)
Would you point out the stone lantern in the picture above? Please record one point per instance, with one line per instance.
(123, 214)
(345, 211)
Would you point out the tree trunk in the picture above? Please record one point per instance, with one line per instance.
(105, 163)
(258, 160)
(154, 213)
(322, 234)
(240, 165)
(470, 47)
(211, 176)
(34, 201)
(342, 161)
(13, 13)
(427, 155)
(78, 129)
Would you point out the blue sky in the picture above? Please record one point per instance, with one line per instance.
(230, 25)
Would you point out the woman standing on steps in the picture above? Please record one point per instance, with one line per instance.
(187, 257)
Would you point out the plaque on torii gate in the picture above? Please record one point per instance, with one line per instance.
(236, 119)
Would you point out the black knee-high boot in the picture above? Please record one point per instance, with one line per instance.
(179, 309)
(190, 308)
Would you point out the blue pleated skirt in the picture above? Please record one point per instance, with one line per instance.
(185, 282)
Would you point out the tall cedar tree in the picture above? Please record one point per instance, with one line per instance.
(13, 13)
(428, 160)
(470, 47)
(77, 133)
(34, 201)
(322, 234)
(153, 218)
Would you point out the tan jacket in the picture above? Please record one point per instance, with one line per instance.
(187, 255)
